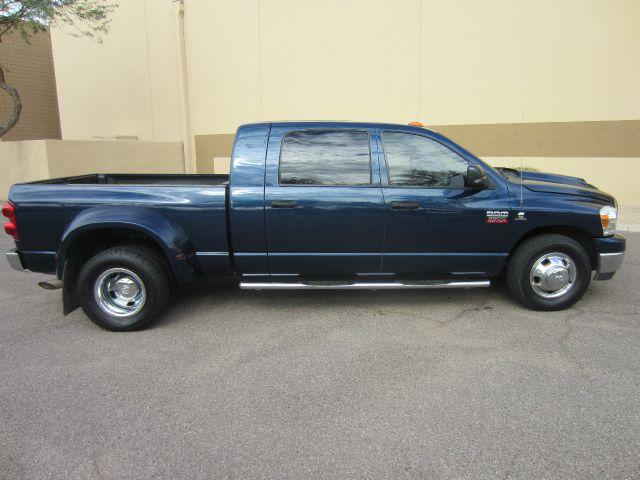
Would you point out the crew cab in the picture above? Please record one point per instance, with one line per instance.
(315, 205)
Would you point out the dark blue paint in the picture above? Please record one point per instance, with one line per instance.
(246, 202)
(180, 219)
(210, 229)
(616, 243)
(416, 240)
(297, 238)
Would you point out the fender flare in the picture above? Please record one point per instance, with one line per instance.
(168, 235)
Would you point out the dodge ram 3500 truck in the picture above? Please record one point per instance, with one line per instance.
(315, 205)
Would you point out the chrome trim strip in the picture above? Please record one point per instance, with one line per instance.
(361, 285)
(445, 254)
(212, 254)
(13, 257)
(378, 254)
(31, 253)
(325, 254)
(270, 274)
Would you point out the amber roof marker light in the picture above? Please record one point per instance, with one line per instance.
(416, 124)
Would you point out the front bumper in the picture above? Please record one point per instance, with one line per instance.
(610, 252)
(13, 257)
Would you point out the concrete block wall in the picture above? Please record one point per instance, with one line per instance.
(29, 68)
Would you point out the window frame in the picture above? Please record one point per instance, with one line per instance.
(323, 129)
(388, 183)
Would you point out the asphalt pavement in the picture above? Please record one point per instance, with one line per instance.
(386, 384)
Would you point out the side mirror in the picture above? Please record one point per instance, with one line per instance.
(477, 178)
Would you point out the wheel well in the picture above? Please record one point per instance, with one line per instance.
(91, 242)
(580, 236)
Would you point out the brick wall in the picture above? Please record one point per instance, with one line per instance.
(29, 68)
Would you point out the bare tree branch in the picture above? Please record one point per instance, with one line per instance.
(17, 105)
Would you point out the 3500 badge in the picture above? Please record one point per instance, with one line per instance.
(497, 216)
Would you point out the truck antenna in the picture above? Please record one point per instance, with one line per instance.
(521, 153)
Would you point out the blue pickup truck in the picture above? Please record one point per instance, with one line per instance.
(319, 205)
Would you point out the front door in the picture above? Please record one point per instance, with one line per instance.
(324, 208)
(436, 225)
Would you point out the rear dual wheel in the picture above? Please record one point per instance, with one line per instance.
(549, 272)
(124, 288)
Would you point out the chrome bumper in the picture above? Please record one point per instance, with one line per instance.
(13, 257)
(608, 264)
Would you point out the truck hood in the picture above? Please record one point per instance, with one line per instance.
(553, 183)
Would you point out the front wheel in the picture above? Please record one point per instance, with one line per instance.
(124, 288)
(549, 272)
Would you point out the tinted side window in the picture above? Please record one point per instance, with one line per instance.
(325, 157)
(419, 161)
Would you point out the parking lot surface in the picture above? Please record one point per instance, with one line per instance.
(387, 384)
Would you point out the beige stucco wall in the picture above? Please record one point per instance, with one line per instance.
(454, 62)
(478, 69)
(128, 85)
(40, 159)
(510, 61)
(77, 157)
(22, 162)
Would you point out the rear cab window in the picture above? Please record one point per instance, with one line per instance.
(325, 157)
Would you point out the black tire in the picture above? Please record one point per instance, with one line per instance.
(528, 253)
(148, 268)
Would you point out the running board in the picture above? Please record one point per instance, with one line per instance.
(362, 285)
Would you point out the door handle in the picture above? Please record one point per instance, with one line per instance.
(283, 204)
(405, 205)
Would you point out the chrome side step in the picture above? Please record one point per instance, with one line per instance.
(362, 285)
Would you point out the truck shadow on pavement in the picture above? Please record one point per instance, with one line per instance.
(217, 298)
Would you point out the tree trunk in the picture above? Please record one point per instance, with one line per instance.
(17, 105)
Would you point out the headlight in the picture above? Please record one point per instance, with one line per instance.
(608, 217)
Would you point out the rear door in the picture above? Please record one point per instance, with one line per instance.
(324, 208)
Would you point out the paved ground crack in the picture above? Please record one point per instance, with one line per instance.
(384, 311)
(512, 464)
(621, 314)
(464, 312)
(562, 341)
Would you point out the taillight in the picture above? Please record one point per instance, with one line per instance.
(11, 227)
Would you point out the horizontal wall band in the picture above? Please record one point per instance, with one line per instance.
(609, 138)
(614, 138)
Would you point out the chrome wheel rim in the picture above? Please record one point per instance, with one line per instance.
(553, 275)
(119, 292)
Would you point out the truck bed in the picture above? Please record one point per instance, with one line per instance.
(187, 213)
(139, 179)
